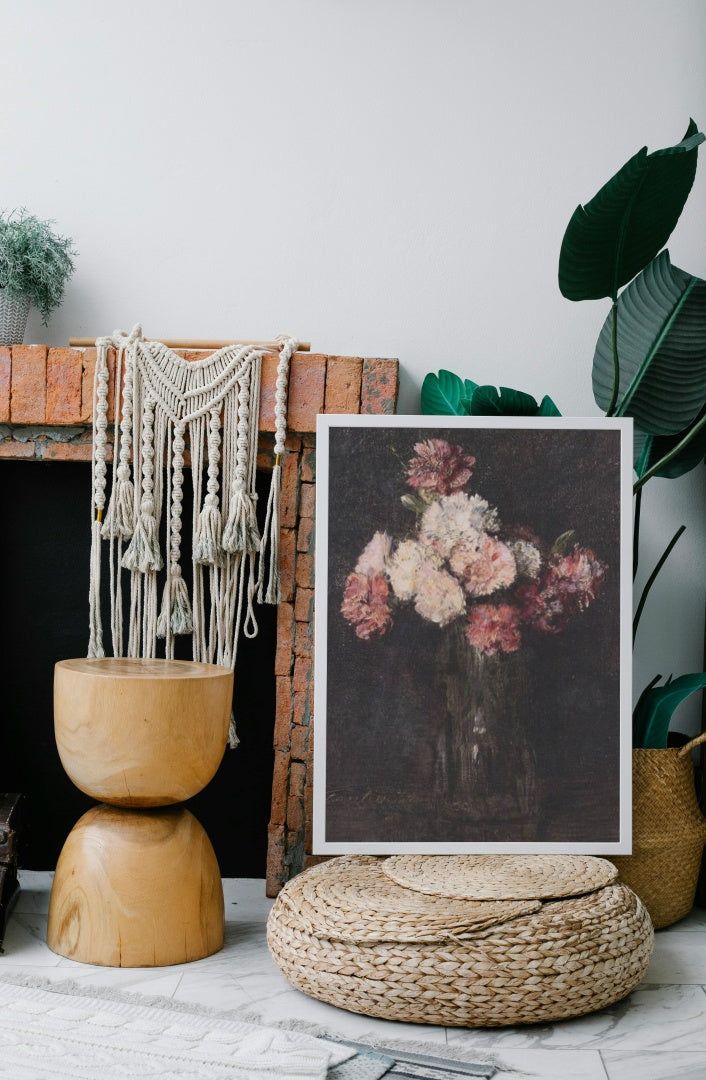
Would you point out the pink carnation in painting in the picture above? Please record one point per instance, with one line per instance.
(365, 604)
(568, 586)
(494, 628)
(439, 467)
(484, 567)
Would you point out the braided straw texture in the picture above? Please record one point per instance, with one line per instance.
(568, 958)
(668, 832)
(501, 877)
(360, 903)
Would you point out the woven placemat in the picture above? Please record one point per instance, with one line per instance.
(500, 877)
(360, 903)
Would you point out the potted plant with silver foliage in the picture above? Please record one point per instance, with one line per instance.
(35, 264)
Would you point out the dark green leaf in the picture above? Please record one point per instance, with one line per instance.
(548, 408)
(654, 711)
(637, 731)
(610, 239)
(650, 449)
(489, 401)
(564, 542)
(443, 394)
(661, 350)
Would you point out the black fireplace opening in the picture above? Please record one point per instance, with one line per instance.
(44, 559)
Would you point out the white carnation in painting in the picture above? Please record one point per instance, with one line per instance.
(374, 557)
(403, 566)
(527, 558)
(455, 519)
(484, 567)
(439, 597)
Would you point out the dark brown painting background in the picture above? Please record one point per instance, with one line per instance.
(383, 703)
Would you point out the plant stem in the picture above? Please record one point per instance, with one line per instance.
(636, 533)
(691, 433)
(616, 366)
(651, 579)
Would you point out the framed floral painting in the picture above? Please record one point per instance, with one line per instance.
(473, 606)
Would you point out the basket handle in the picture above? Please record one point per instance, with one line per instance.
(691, 745)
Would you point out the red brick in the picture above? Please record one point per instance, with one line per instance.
(308, 468)
(5, 374)
(379, 387)
(306, 391)
(305, 571)
(275, 860)
(297, 779)
(295, 815)
(287, 562)
(292, 444)
(64, 379)
(54, 451)
(280, 788)
(305, 535)
(308, 811)
(301, 712)
(289, 500)
(304, 605)
(11, 448)
(89, 368)
(307, 383)
(285, 639)
(28, 399)
(343, 381)
(302, 674)
(283, 712)
(303, 641)
(300, 738)
(307, 500)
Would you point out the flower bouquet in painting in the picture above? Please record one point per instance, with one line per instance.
(461, 564)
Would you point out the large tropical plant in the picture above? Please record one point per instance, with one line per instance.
(650, 358)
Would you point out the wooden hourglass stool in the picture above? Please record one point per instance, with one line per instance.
(137, 883)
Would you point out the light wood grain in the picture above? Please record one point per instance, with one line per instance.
(141, 732)
(196, 343)
(136, 888)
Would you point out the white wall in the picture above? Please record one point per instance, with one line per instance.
(382, 177)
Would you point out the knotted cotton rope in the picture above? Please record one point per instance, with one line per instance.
(162, 404)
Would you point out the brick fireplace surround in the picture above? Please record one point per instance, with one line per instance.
(45, 415)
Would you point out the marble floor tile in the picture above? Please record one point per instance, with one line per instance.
(652, 1017)
(547, 1064)
(676, 1065)
(679, 957)
(658, 1033)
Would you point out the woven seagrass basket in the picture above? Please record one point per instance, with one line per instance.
(347, 933)
(13, 318)
(668, 833)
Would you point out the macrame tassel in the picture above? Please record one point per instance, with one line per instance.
(208, 548)
(273, 593)
(143, 552)
(241, 532)
(120, 518)
(175, 614)
(95, 640)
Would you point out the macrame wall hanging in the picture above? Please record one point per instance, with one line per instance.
(161, 400)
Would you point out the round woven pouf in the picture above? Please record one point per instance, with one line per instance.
(347, 933)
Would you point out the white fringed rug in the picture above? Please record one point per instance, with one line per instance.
(63, 1031)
